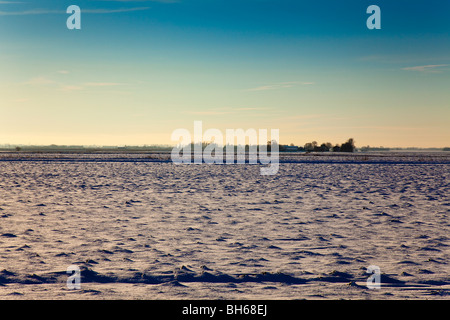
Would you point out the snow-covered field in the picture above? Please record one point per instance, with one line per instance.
(140, 227)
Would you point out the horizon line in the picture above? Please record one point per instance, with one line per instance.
(54, 146)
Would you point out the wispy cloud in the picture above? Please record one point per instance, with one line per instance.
(250, 109)
(89, 11)
(21, 100)
(224, 111)
(208, 113)
(103, 84)
(308, 116)
(83, 86)
(280, 86)
(70, 88)
(30, 12)
(162, 1)
(39, 81)
(431, 68)
(101, 11)
(42, 81)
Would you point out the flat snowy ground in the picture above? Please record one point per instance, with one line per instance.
(155, 230)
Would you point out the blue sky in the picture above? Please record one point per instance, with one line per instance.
(137, 70)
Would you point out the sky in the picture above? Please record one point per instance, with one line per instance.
(138, 70)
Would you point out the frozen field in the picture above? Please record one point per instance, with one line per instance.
(140, 227)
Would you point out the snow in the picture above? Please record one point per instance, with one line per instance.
(141, 227)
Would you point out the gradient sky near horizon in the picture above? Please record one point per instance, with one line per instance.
(138, 70)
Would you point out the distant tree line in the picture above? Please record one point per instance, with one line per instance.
(369, 148)
(348, 146)
(76, 148)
